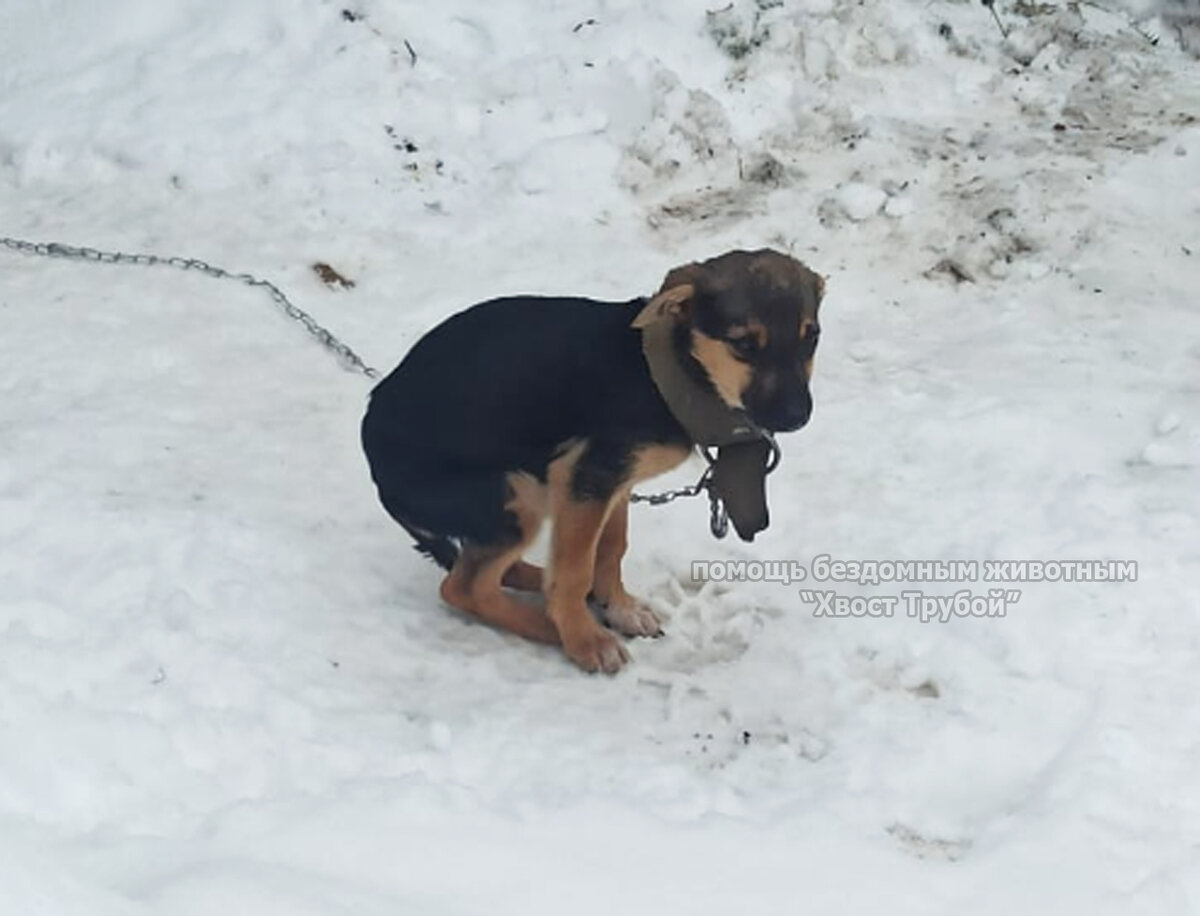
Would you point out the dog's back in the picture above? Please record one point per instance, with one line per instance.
(500, 388)
(506, 382)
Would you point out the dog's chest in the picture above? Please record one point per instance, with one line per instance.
(652, 460)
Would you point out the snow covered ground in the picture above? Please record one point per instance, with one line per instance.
(226, 685)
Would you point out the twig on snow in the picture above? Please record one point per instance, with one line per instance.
(991, 5)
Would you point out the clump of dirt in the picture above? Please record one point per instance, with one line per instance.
(330, 277)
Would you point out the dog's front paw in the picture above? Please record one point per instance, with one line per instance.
(631, 617)
(596, 649)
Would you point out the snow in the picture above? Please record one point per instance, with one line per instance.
(226, 684)
(861, 201)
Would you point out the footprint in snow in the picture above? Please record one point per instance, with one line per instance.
(1172, 446)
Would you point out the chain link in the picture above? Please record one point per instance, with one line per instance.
(661, 499)
(718, 517)
(323, 336)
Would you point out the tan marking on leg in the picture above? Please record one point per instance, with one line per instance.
(573, 540)
(610, 549)
(621, 610)
(730, 376)
(624, 612)
(530, 498)
(572, 557)
(524, 577)
(474, 584)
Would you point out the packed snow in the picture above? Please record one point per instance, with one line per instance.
(226, 682)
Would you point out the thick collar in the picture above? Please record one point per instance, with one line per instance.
(700, 411)
(743, 450)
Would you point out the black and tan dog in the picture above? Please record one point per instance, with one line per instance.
(528, 407)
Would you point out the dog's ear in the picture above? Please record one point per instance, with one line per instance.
(673, 296)
(820, 288)
(688, 274)
(672, 301)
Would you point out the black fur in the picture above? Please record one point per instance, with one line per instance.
(502, 387)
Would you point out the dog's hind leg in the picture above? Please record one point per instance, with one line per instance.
(473, 586)
(524, 577)
(474, 583)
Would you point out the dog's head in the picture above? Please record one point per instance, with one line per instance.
(748, 319)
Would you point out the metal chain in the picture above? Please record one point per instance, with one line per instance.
(718, 521)
(293, 311)
(718, 515)
(661, 499)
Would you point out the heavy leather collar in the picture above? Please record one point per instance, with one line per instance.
(743, 449)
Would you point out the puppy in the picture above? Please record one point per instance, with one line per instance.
(526, 407)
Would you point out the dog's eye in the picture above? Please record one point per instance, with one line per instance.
(812, 335)
(743, 347)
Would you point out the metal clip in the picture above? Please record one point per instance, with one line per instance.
(718, 518)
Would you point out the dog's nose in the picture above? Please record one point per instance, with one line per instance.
(797, 414)
(792, 414)
(784, 414)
